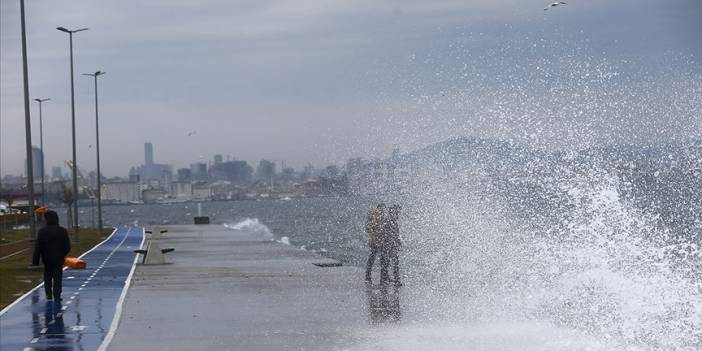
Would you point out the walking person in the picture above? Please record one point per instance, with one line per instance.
(52, 246)
(375, 231)
(393, 242)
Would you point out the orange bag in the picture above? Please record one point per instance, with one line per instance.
(75, 263)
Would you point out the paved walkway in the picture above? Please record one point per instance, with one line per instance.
(82, 320)
(231, 290)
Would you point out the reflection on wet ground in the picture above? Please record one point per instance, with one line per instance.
(82, 318)
(384, 303)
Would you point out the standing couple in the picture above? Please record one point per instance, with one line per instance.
(383, 230)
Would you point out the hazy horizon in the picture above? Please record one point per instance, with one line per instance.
(323, 81)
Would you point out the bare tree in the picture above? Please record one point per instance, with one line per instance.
(67, 199)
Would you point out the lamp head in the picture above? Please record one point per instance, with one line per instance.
(97, 73)
(63, 29)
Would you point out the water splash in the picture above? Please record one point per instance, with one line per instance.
(252, 225)
(602, 270)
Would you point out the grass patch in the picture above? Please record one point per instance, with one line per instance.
(11, 235)
(16, 275)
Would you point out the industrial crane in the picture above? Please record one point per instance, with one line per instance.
(85, 186)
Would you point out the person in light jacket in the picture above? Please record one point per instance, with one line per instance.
(376, 238)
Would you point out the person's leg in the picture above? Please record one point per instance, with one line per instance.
(371, 260)
(58, 282)
(47, 282)
(396, 266)
(384, 278)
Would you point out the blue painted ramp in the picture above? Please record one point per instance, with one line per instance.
(82, 320)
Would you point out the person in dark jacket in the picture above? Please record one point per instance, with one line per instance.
(52, 246)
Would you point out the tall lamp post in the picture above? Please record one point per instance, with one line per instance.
(76, 228)
(97, 143)
(28, 131)
(41, 147)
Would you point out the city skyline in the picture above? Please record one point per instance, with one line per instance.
(149, 158)
(326, 81)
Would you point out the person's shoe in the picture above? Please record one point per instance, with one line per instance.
(49, 298)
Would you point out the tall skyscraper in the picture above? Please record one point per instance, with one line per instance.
(150, 169)
(148, 154)
(37, 157)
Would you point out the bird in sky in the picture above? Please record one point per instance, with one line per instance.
(555, 4)
(192, 133)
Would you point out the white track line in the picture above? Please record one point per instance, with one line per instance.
(118, 309)
(13, 254)
(4, 310)
(64, 308)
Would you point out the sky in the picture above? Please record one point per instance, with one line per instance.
(320, 81)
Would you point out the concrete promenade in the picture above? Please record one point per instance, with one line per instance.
(227, 289)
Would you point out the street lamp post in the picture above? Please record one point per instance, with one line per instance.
(28, 131)
(41, 147)
(76, 228)
(97, 147)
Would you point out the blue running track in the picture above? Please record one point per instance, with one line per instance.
(82, 320)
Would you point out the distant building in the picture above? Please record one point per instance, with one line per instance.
(150, 169)
(37, 158)
(148, 154)
(92, 179)
(355, 172)
(217, 159)
(266, 171)
(184, 175)
(180, 190)
(308, 172)
(124, 191)
(152, 184)
(202, 192)
(287, 176)
(56, 173)
(377, 176)
(311, 187)
(198, 171)
(238, 172)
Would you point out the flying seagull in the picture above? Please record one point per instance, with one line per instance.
(555, 4)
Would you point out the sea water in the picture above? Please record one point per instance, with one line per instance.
(586, 270)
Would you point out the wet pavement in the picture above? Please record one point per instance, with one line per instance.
(227, 289)
(83, 318)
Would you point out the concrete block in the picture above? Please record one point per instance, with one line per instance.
(201, 220)
(154, 255)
